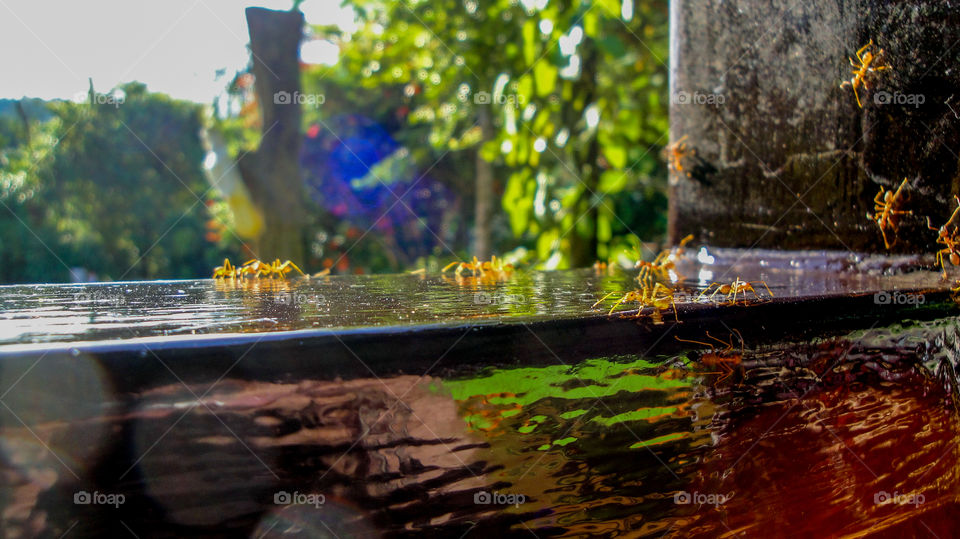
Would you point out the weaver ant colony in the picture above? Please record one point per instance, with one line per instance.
(887, 206)
(492, 270)
(658, 292)
(662, 265)
(255, 269)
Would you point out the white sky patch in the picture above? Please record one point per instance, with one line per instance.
(173, 46)
(319, 51)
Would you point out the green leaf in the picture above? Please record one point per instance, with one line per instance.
(530, 41)
(616, 155)
(591, 24)
(490, 151)
(613, 181)
(604, 228)
(545, 74)
(518, 200)
(612, 45)
(525, 88)
(545, 243)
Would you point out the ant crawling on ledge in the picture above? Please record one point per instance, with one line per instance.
(732, 290)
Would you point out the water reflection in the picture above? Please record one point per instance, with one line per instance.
(850, 436)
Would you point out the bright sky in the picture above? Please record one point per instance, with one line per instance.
(49, 49)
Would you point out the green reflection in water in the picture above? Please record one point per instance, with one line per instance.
(495, 395)
(597, 377)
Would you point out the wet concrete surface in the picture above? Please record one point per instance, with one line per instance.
(37, 316)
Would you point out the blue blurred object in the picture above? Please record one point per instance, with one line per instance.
(358, 173)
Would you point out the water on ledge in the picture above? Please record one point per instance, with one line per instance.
(117, 311)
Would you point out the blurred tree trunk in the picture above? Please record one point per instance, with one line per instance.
(22, 113)
(583, 238)
(484, 202)
(272, 173)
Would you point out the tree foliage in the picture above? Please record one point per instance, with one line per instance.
(114, 188)
(572, 93)
(577, 92)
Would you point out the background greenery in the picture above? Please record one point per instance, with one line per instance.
(572, 136)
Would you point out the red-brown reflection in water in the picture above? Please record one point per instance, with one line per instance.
(817, 465)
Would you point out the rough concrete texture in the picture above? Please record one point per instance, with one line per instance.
(783, 156)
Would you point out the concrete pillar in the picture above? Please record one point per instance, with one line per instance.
(782, 156)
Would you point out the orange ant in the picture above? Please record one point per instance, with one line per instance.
(675, 154)
(861, 71)
(663, 264)
(226, 271)
(885, 203)
(733, 289)
(948, 237)
(276, 269)
(725, 359)
(658, 297)
(494, 269)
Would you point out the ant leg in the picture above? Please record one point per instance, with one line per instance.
(721, 342)
(707, 289)
(739, 336)
(619, 301)
(718, 290)
(728, 372)
(954, 215)
(601, 300)
(902, 184)
(764, 283)
(878, 200)
(695, 342)
(294, 266)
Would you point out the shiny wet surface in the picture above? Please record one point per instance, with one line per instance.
(850, 434)
(839, 437)
(119, 311)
